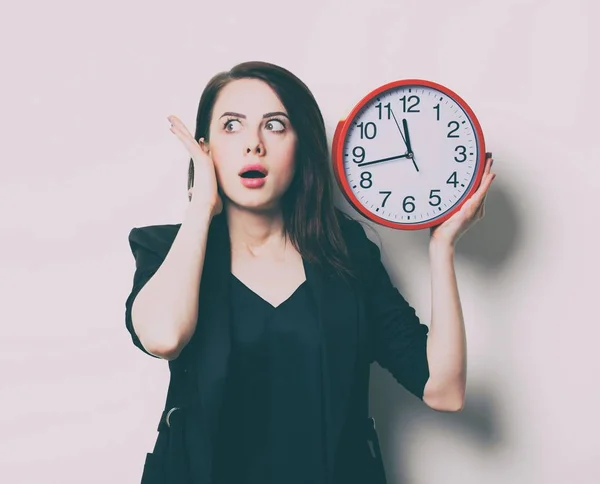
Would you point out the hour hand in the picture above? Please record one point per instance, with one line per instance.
(406, 135)
(365, 163)
(411, 154)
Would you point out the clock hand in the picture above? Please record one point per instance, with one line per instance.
(407, 138)
(408, 145)
(365, 163)
(399, 129)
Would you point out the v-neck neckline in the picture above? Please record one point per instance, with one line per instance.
(271, 306)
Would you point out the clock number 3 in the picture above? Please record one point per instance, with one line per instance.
(462, 151)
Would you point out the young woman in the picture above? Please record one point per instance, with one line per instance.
(270, 304)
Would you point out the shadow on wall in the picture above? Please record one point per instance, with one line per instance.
(490, 244)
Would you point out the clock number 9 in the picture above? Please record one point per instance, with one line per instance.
(463, 154)
(365, 179)
(358, 152)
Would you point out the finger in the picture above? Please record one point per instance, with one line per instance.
(180, 125)
(488, 165)
(189, 142)
(485, 185)
(479, 196)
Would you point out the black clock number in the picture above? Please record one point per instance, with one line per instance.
(452, 180)
(407, 204)
(411, 109)
(432, 194)
(388, 106)
(365, 179)
(451, 133)
(462, 151)
(387, 194)
(437, 108)
(358, 152)
(368, 130)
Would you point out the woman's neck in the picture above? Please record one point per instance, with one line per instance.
(254, 233)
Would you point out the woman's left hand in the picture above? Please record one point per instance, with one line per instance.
(471, 211)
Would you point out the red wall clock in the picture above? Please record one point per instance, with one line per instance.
(409, 154)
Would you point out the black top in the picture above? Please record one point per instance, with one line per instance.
(272, 426)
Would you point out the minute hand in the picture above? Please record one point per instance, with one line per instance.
(365, 163)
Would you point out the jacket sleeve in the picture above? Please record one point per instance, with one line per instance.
(147, 261)
(399, 339)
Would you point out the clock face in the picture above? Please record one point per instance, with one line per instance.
(409, 154)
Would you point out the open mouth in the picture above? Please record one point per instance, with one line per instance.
(253, 174)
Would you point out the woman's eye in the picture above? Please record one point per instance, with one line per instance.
(275, 125)
(231, 125)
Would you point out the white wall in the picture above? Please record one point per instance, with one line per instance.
(87, 154)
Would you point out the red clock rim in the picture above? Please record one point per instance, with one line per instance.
(338, 159)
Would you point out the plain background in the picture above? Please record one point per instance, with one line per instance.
(87, 154)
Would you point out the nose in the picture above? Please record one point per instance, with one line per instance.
(255, 146)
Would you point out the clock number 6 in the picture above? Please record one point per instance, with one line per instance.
(407, 204)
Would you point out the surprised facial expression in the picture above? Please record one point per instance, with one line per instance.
(252, 144)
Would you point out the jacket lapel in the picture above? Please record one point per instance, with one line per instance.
(211, 346)
(337, 316)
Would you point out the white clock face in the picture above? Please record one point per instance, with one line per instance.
(411, 154)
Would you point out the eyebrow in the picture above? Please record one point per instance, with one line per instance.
(266, 115)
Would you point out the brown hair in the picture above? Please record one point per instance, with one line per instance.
(310, 218)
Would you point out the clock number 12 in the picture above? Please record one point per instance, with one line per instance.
(411, 109)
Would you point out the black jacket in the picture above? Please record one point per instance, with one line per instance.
(362, 321)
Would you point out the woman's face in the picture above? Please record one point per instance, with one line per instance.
(250, 129)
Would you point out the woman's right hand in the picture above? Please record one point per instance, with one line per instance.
(205, 189)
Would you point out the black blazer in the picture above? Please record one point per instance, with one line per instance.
(362, 321)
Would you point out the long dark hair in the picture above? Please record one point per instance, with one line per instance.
(311, 221)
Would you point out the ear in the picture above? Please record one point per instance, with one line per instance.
(204, 145)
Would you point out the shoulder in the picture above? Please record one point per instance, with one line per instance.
(160, 238)
(155, 238)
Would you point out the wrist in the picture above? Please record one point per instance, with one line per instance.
(440, 246)
(201, 209)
